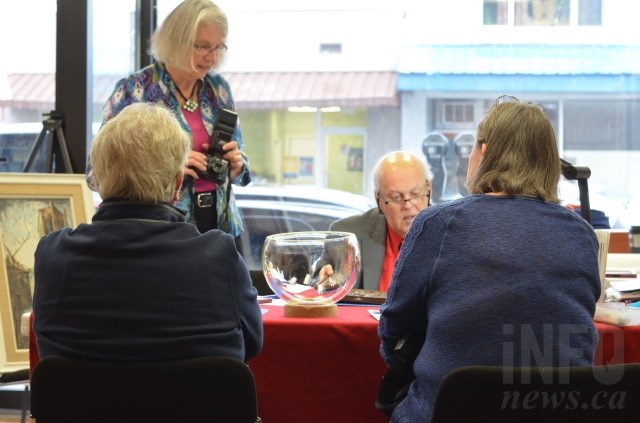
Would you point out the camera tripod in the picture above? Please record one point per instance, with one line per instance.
(56, 144)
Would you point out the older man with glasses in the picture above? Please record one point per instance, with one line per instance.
(402, 187)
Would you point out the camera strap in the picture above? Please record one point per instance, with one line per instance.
(398, 378)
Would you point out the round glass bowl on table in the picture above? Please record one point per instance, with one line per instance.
(311, 271)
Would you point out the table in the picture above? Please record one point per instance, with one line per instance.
(618, 345)
(319, 369)
(301, 356)
(329, 369)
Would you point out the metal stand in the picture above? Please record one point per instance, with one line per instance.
(580, 173)
(53, 135)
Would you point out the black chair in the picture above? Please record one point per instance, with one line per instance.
(562, 394)
(208, 389)
(19, 377)
(260, 282)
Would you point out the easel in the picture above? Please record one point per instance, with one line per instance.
(52, 133)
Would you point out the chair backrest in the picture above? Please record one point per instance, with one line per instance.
(207, 389)
(561, 394)
(16, 376)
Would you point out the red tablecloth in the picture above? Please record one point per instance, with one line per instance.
(328, 369)
(319, 369)
(617, 345)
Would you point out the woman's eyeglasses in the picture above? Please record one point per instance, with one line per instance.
(511, 99)
(219, 49)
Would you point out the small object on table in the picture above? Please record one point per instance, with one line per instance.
(618, 314)
(623, 289)
(621, 273)
(364, 296)
(331, 283)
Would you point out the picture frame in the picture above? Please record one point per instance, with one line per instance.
(31, 206)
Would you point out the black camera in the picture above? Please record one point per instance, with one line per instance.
(217, 167)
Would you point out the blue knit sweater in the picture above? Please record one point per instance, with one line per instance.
(491, 280)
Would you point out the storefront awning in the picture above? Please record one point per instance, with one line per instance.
(537, 68)
(251, 90)
(314, 89)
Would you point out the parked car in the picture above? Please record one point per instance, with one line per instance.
(271, 209)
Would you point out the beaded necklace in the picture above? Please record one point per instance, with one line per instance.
(189, 105)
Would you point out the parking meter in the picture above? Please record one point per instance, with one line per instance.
(463, 144)
(434, 147)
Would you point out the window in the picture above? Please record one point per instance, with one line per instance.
(298, 72)
(331, 48)
(457, 114)
(114, 51)
(542, 12)
(22, 98)
(590, 12)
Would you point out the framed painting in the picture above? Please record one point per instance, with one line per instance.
(31, 206)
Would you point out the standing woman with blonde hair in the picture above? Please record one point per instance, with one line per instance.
(188, 48)
(505, 276)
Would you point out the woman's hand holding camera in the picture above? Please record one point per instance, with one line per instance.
(197, 160)
(234, 157)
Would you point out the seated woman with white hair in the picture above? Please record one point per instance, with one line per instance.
(139, 283)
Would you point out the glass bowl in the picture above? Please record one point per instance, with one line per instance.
(318, 267)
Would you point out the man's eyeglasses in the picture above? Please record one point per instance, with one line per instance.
(511, 99)
(203, 49)
(401, 201)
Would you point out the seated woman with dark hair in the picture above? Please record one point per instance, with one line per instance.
(505, 276)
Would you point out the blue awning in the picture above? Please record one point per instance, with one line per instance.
(525, 68)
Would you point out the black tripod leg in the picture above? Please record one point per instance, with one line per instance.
(55, 143)
(34, 150)
(49, 155)
(62, 145)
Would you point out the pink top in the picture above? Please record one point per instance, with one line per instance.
(200, 136)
